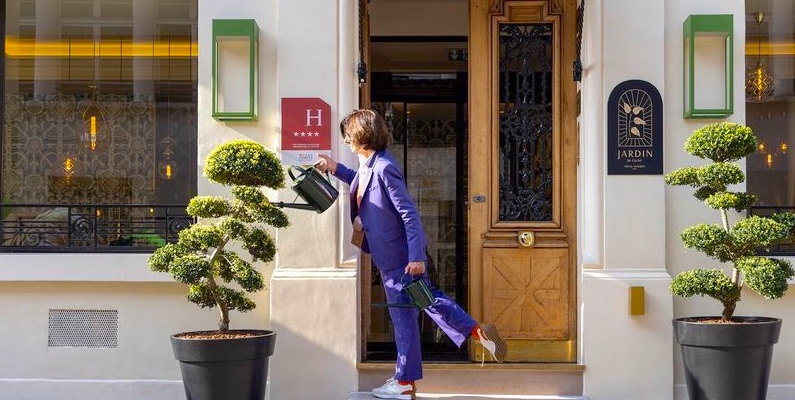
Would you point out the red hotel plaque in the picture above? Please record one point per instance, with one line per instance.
(306, 129)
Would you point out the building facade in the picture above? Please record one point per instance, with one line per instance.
(542, 216)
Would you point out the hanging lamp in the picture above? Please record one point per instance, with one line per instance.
(167, 167)
(94, 127)
(94, 132)
(759, 82)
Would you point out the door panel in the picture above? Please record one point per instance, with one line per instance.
(526, 296)
(522, 198)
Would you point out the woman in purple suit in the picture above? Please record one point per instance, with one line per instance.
(387, 225)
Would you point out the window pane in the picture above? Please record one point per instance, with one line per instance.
(526, 122)
(770, 104)
(99, 109)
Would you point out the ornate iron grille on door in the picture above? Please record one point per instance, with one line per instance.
(526, 124)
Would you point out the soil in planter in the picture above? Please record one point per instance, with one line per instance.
(719, 320)
(210, 335)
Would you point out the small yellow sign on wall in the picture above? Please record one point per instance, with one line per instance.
(637, 300)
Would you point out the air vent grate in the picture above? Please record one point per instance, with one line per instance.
(83, 328)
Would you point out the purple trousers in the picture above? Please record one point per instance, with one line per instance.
(445, 312)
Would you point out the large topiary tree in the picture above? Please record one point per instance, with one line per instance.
(725, 143)
(200, 257)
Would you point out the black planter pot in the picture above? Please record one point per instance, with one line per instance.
(727, 361)
(224, 369)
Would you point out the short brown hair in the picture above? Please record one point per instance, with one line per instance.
(366, 128)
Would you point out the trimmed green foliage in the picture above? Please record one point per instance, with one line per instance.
(754, 233)
(719, 175)
(190, 269)
(712, 240)
(201, 237)
(788, 220)
(260, 245)
(259, 207)
(731, 200)
(683, 176)
(767, 276)
(199, 258)
(705, 192)
(245, 163)
(723, 143)
(706, 282)
(208, 206)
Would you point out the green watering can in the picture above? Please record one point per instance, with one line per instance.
(313, 187)
(419, 293)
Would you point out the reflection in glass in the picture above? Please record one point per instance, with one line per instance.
(428, 143)
(91, 89)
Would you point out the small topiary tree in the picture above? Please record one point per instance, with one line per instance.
(200, 258)
(724, 143)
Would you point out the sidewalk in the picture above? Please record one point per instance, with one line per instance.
(420, 396)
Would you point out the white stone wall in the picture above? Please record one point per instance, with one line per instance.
(314, 289)
(628, 229)
(141, 366)
(683, 210)
(150, 306)
(630, 225)
(622, 217)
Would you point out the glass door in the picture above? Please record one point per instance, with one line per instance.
(429, 142)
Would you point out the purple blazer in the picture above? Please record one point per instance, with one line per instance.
(392, 228)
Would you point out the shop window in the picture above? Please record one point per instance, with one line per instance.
(770, 106)
(99, 124)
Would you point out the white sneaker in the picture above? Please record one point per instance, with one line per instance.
(491, 341)
(392, 389)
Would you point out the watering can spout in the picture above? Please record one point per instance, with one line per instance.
(313, 187)
(299, 206)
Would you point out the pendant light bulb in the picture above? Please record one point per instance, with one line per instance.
(94, 133)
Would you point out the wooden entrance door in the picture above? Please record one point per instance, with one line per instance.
(522, 175)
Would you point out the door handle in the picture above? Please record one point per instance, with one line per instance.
(526, 238)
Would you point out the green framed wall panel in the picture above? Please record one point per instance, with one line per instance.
(708, 66)
(234, 69)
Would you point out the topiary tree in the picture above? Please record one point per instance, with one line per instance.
(724, 143)
(200, 257)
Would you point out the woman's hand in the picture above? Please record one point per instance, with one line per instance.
(415, 267)
(326, 164)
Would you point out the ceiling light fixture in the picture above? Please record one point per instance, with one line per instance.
(759, 82)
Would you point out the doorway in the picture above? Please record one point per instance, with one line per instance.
(523, 136)
(425, 110)
(483, 117)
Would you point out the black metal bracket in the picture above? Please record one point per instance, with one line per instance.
(361, 71)
(577, 73)
(299, 206)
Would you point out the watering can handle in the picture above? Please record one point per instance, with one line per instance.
(303, 171)
(411, 277)
(290, 171)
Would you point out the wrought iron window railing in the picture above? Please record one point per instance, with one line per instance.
(90, 228)
(784, 249)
